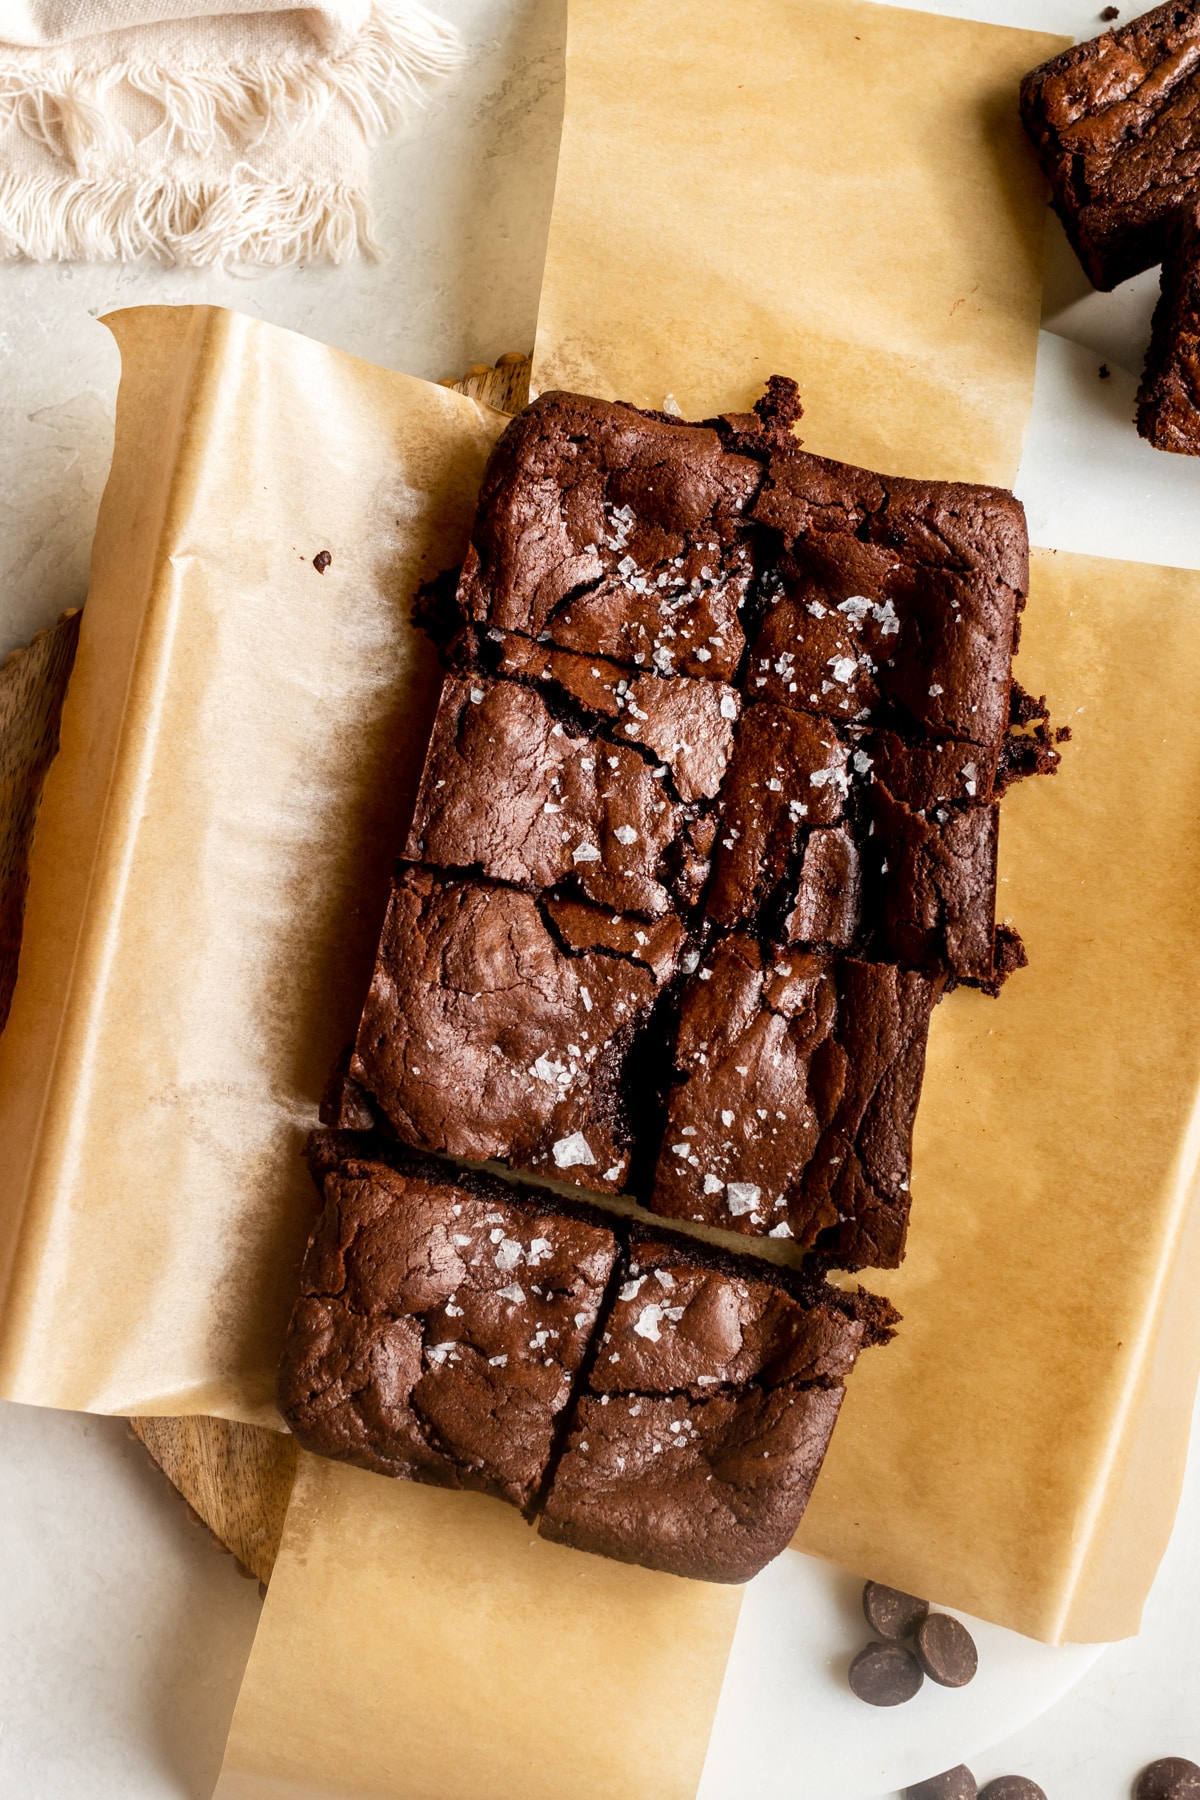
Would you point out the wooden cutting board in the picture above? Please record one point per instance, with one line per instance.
(236, 1479)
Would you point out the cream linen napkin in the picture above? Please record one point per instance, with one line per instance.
(237, 133)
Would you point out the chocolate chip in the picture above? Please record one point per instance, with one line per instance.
(1012, 1787)
(946, 1651)
(885, 1675)
(1171, 1778)
(955, 1784)
(321, 561)
(891, 1614)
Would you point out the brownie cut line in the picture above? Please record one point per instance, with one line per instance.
(1115, 122)
(654, 1399)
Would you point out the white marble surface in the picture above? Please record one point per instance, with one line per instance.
(122, 1632)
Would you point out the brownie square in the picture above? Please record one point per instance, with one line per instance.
(788, 772)
(893, 603)
(1116, 124)
(488, 1033)
(1169, 396)
(929, 866)
(857, 839)
(511, 792)
(615, 533)
(684, 724)
(441, 1322)
(792, 1117)
(707, 1412)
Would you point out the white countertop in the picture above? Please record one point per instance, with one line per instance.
(123, 1631)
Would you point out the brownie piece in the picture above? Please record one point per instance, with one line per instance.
(858, 840)
(1168, 402)
(793, 1114)
(1116, 125)
(788, 772)
(441, 1322)
(510, 791)
(927, 857)
(615, 533)
(858, 1180)
(893, 603)
(826, 905)
(685, 724)
(707, 1412)
(487, 1033)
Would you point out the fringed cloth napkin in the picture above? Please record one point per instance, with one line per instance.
(128, 127)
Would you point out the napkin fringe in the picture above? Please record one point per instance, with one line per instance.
(382, 77)
(243, 220)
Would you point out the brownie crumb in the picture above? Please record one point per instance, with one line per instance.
(1105, 371)
(1029, 744)
(1109, 13)
(780, 408)
(321, 561)
(435, 610)
(1009, 955)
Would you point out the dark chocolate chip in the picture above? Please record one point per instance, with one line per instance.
(885, 1675)
(1171, 1778)
(321, 561)
(946, 1651)
(890, 1613)
(1012, 1787)
(955, 1784)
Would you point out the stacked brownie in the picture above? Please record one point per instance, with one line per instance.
(1116, 125)
(707, 825)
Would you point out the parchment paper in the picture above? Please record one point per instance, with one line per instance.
(819, 188)
(240, 741)
(429, 1644)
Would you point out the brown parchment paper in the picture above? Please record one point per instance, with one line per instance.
(241, 737)
(826, 189)
(431, 1645)
(1018, 1451)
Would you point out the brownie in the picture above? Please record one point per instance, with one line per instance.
(706, 1414)
(858, 1180)
(683, 723)
(788, 771)
(511, 792)
(798, 1085)
(486, 1033)
(892, 602)
(927, 866)
(1168, 402)
(1116, 125)
(615, 533)
(630, 822)
(858, 840)
(441, 1322)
